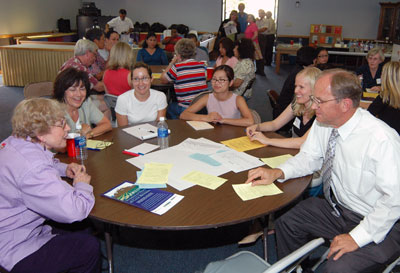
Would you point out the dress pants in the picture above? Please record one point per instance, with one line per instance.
(313, 218)
(262, 40)
(269, 48)
(76, 252)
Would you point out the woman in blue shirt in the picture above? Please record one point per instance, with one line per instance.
(151, 53)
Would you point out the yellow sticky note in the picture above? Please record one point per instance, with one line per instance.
(155, 173)
(242, 144)
(274, 162)
(248, 192)
(156, 75)
(97, 144)
(370, 95)
(205, 180)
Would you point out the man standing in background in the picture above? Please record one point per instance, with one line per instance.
(122, 24)
(266, 35)
(242, 18)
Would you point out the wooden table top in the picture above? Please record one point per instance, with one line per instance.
(200, 208)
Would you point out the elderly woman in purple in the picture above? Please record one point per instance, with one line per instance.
(32, 191)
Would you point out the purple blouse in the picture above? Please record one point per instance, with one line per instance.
(32, 191)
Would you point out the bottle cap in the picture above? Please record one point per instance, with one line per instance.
(162, 118)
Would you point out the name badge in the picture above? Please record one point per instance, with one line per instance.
(378, 81)
(296, 122)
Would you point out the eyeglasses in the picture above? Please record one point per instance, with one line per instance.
(144, 79)
(219, 80)
(318, 102)
(62, 125)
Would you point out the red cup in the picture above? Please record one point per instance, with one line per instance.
(71, 150)
(210, 71)
(291, 42)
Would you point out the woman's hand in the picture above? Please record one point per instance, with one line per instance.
(72, 169)
(260, 137)
(214, 117)
(376, 88)
(251, 130)
(85, 129)
(81, 176)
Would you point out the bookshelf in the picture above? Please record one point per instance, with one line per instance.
(325, 35)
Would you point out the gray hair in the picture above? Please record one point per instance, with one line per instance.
(186, 48)
(84, 45)
(375, 51)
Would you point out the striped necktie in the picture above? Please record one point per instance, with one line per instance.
(327, 170)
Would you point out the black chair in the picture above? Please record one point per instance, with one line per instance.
(273, 97)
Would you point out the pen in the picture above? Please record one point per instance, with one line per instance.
(149, 131)
(93, 149)
(130, 153)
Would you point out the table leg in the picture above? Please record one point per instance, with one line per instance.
(265, 236)
(108, 238)
(277, 62)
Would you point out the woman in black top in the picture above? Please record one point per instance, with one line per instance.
(300, 109)
(370, 74)
(387, 105)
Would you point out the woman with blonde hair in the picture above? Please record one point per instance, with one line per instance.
(299, 109)
(117, 77)
(387, 105)
(33, 192)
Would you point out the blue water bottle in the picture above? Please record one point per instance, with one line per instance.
(162, 133)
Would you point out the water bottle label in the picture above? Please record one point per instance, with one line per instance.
(162, 132)
(80, 141)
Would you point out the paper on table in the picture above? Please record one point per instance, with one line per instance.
(242, 144)
(143, 131)
(370, 95)
(199, 125)
(97, 144)
(149, 186)
(237, 161)
(156, 75)
(274, 162)
(179, 156)
(143, 148)
(249, 192)
(205, 180)
(154, 173)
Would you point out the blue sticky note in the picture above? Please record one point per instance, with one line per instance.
(205, 158)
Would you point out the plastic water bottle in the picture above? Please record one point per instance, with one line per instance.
(80, 144)
(81, 149)
(162, 133)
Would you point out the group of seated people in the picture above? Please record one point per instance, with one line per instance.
(33, 191)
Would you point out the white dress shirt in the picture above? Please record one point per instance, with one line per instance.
(365, 175)
(120, 26)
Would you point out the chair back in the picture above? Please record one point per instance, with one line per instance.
(245, 261)
(273, 98)
(38, 89)
(199, 96)
(256, 116)
(249, 86)
(111, 101)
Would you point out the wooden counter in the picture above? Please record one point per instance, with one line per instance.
(27, 63)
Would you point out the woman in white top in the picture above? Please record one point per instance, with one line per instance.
(141, 104)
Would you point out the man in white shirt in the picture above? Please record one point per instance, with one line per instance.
(122, 24)
(266, 35)
(361, 209)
